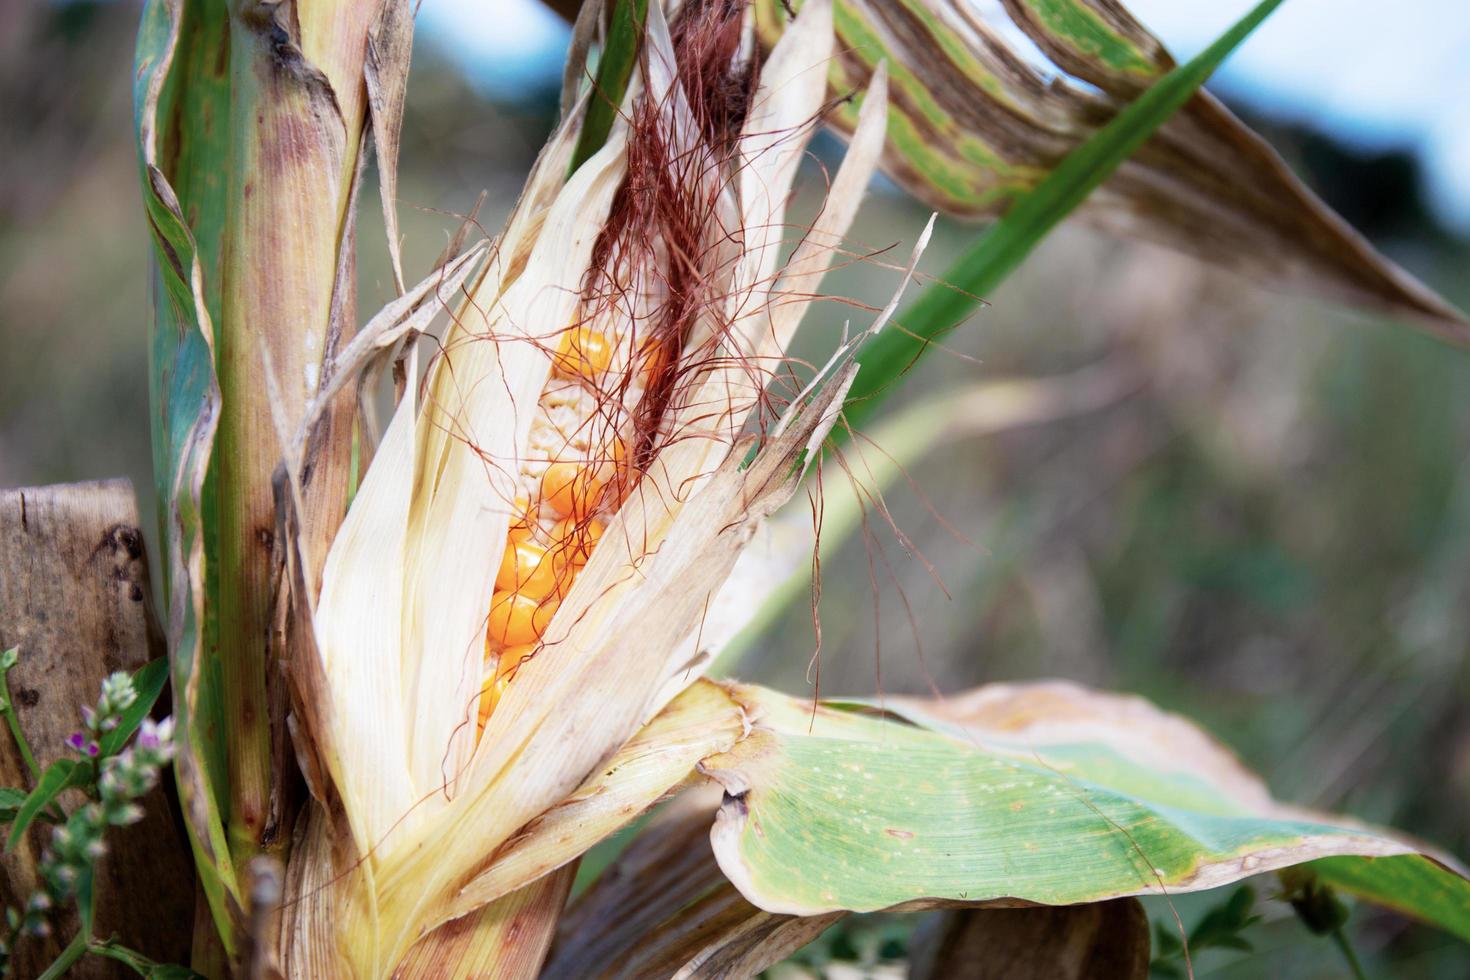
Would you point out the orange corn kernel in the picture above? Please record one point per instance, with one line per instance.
(583, 352)
(571, 489)
(490, 694)
(522, 515)
(577, 539)
(511, 659)
(529, 569)
(517, 619)
(500, 670)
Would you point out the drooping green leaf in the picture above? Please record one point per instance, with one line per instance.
(1001, 249)
(8, 660)
(11, 800)
(56, 778)
(1047, 793)
(148, 682)
(978, 120)
(183, 146)
(1411, 886)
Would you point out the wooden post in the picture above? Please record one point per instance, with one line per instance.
(75, 600)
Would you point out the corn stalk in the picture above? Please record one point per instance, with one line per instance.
(297, 112)
(251, 121)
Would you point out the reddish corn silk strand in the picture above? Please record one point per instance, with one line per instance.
(601, 415)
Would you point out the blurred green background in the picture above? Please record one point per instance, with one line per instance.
(1271, 534)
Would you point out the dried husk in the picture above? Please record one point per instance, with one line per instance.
(410, 808)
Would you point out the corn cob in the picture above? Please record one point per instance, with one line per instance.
(594, 382)
(575, 472)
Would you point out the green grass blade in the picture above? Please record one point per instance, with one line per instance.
(614, 70)
(1005, 246)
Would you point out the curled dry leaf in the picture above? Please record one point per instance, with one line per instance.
(975, 123)
(509, 937)
(663, 909)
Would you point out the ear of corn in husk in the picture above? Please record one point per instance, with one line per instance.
(586, 412)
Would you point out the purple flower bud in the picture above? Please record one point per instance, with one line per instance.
(76, 741)
(93, 749)
(156, 735)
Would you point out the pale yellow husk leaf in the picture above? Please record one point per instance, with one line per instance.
(440, 824)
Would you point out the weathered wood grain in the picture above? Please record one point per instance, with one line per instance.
(75, 599)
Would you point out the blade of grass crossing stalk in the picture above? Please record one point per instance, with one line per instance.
(614, 69)
(1004, 246)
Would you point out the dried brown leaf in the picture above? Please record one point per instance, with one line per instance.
(975, 125)
(663, 909)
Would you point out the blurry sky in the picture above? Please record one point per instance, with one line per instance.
(1377, 75)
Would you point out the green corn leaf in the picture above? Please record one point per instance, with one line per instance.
(1048, 793)
(1001, 249)
(148, 682)
(977, 121)
(187, 177)
(1411, 887)
(614, 70)
(61, 775)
